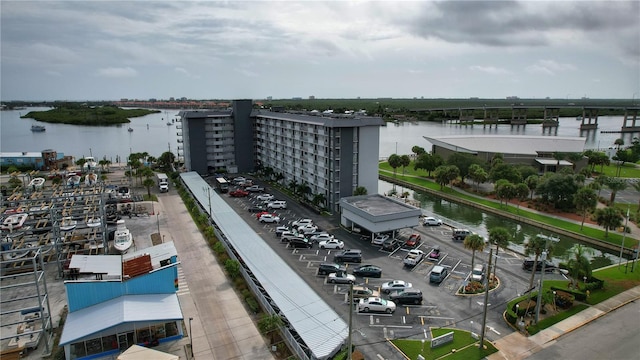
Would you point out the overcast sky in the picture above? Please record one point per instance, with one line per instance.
(108, 50)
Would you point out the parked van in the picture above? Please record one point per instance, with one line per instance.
(477, 274)
(438, 273)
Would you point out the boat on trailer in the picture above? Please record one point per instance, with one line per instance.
(122, 238)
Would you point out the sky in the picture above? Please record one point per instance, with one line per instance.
(110, 50)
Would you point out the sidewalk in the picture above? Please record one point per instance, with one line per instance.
(516, 346)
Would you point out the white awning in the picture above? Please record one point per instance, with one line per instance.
(136, 352)
(549, 161)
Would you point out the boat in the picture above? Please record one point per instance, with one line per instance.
(89, 163)
(14, 221)
(73, 180)
(90, 179)
(19, 252)
(579, 118)
(36, 183)
(68, 224)
(122, 239)
(38, 128)
(94, 222)
(169, 124)
(129, 129)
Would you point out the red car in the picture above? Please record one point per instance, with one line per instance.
(239, 193)
(261, 213)
(414, 240)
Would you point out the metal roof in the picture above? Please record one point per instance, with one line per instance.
(320, 327)
(128, 308)
(507, 144)
(108, 265)
(332, 122)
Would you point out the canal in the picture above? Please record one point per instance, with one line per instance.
(463, 216)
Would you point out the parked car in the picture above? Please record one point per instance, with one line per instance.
(290, 235)
(269, 218)
(265, 197)
(321, 237)
(261, 213)
(328, 268)
(363, 292)
(379, 239)
(431, 221)
(391, 244)
(238, 180)
(341, 278)
(281, 229)
(548, 266)
(254, 188)
(331, 244)
(477, 274)
(307, 229)
(238, 193)
(351, 255)
(460, 234)
(434, 254)
(413, 241)
(413, 257)
(300, 242)
(301, 222)
(368, 271)
(278, 204)
(395, 285)
(409, 296)
(257, 209)
(438, 273)
(376, 304)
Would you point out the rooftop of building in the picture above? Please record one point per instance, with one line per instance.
(517, 144)
(377, 205)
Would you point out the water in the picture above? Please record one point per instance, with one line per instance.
(469, 218)
(150, 134)
(400, 138)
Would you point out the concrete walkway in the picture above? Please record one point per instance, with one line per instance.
(516, 346)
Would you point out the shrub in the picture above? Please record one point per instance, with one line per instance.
(218, 248)
(564, 299)
(253, 304)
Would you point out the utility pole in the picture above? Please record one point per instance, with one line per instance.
(544, 262)
(486, 300)
(624, 235)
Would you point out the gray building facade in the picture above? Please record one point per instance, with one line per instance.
(331, 155)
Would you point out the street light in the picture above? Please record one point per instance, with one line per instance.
(191, 337)
(544, 262)
(624, 235)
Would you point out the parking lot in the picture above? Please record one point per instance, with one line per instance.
(441, 306)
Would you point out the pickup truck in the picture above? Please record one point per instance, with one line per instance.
(254, 188)
(414, 257)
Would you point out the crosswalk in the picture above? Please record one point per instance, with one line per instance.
(183, 287)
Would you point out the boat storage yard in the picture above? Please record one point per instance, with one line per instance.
(42, 225)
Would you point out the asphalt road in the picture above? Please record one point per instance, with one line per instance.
(613, 336)
(441, 306)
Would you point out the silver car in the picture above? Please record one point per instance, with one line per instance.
(341, 278)
(376, 304)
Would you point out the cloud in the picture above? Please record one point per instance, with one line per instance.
(183, 71)
(114, 72)
(489, 70)
(549, 67)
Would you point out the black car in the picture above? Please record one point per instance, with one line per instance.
(409, 296)
(300, 242)
(548, 266)
(257, 209)
(368, 271)
(351, 255)
(391, 244)
(328, 268)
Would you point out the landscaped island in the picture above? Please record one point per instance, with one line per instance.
(76, 114)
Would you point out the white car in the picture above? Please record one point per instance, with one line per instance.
(278, 204)
(269, 218)
(302, 222)
(281, 229)
(331, 244)
(321, 237)
(379, 239)
(307, 229)
(376, 304)
(341, 278)
(431, 221)
(395, 286)
(414, 257)
(265, 197)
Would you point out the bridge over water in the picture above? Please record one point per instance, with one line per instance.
(490, 115)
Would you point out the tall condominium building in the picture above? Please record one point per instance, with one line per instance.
(330, 155)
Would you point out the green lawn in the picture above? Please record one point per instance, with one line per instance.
(628, 170)
(466, 347)
(613, 237)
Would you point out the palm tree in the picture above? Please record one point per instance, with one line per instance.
(608, 218)
(148, 183)
(578, 264)
(395, 162)
(536, 246)
(360, 190)
(293, 185)
(405, 161)
(615, 185)
(501, 238)
(474, 242)
(585, 201)
(318, 199)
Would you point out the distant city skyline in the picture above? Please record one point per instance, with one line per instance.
(110, 50)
